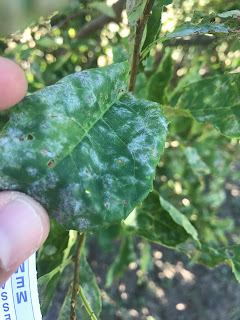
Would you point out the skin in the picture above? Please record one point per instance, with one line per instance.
(24, 223)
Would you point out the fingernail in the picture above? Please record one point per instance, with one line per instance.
(22, 228)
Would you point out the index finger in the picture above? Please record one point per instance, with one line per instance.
(13, 83)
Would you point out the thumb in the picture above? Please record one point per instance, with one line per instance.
(24, 226)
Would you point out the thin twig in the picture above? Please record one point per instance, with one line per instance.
(87, 305)
(141, 23)
(75, 288)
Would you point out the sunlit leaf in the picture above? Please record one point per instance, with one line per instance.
(215, 100)
(154, 21)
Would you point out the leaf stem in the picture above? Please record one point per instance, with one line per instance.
(87, 305)
(75, 288)
(141, 23)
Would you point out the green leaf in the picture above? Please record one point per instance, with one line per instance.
(87, 157)
(125, 256)
(46, 287)
(91, 291)
(47, 283)
(154, 21)
(103, 8)
(196, 163)
(146, 261)
(189, 29)
(50, 254)
(140, 90)
(179, 218)
(215, 100)
(193, 75)
(135, 10)
(158, 81)
(231, 13)
(214, 256)
(200, 24)
(152, 222)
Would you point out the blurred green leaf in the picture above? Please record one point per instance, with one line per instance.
(103, 8)
(195, 162)
(215, 100)
(92, 293)
(50, 272)
(158, 82)
(231, 13)
(18, 14)
(125, 256)
(152, 222)
(50, 254)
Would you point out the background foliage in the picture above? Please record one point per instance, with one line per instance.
(192, 70)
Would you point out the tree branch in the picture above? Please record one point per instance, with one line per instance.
(141, 23)
(75, 289)
(99, 22)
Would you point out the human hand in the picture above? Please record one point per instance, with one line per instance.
(24, 223)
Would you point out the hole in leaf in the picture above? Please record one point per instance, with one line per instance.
(124, 203)
(107, 205)
(21, 138)
(51, 163)
(30, 137)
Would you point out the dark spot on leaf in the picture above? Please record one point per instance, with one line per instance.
(101, 95)
(21, 138)
(51, 163)
(106, 205)
(30, 137)
(58, 156)
(106, 97)
(124, 203)
(212, 20)
(123, 70)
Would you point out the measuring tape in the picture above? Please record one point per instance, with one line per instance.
(19, 295)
